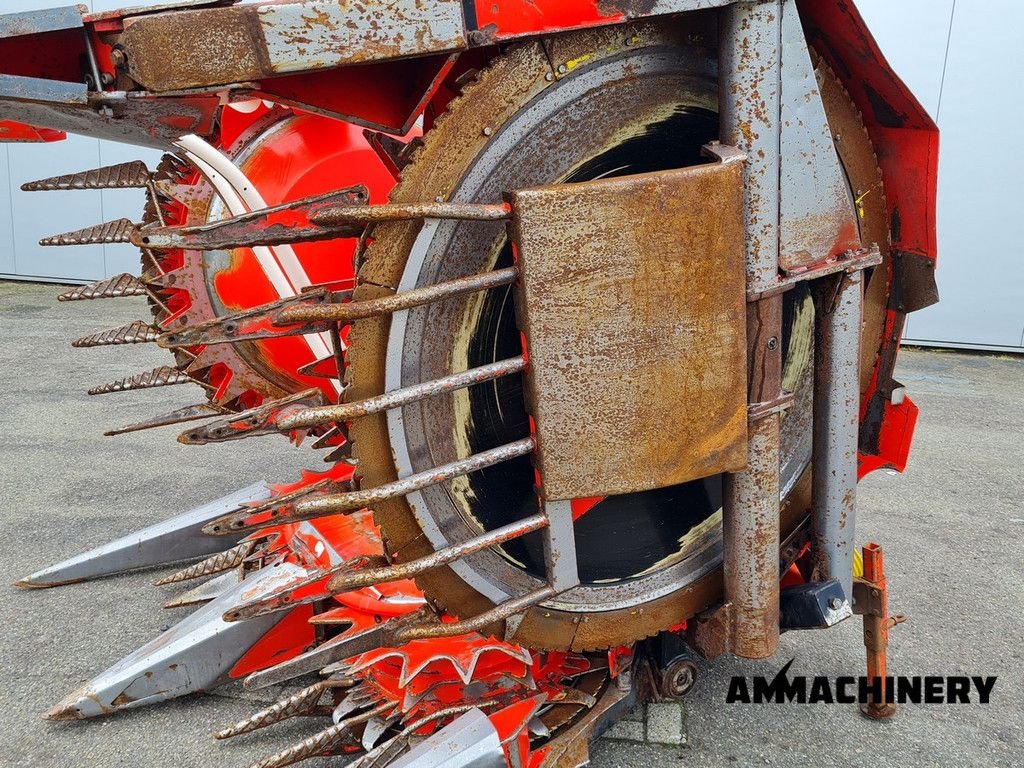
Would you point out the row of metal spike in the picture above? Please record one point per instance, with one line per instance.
(162, 184)
(296, 413)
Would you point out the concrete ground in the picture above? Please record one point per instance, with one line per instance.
(951, 528)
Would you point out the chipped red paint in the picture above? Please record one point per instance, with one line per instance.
(502, 20)
(12, 131)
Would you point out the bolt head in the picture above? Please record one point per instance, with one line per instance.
(835, 603)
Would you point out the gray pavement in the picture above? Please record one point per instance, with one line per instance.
(951, 527)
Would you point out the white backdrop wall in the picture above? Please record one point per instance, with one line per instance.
(962, 58)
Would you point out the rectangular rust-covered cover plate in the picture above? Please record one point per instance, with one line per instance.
(633, 304)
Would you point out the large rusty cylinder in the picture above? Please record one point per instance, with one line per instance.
(836, 423)
(750, 64)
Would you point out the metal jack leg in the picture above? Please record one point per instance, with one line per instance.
(871, 600)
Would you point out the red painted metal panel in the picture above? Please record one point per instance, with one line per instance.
(512, 18)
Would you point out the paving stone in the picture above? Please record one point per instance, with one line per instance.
(626, 730)
(665, 723)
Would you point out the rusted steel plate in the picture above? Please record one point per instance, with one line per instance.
(36, 22)
(218, 46)
(633, 305)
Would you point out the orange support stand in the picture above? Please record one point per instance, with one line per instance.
(871, 600)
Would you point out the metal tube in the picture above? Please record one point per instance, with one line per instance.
(836, 428)
(750, 64)
(357, 310)
(498, 613)
(750, 87)
(348, 214)
(94, 68)
(342, 502)
(312, 417)
(751, 544)
(367, 577)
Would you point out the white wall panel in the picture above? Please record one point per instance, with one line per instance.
(913, 35)
(6, 225)
(39, 214)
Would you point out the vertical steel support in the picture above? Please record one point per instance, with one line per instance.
(750, 63)
(560, 546)
(836, 422)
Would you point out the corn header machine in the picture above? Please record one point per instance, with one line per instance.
(591, 306)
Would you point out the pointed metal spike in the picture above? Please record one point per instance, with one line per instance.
(330, 435)
(324, 368)
(396, 398)
(131, 175)
(180, 416)
(254, 422)
(323, 743)
(574, 696)
(304, 702)
(336, 649)
(173, 540)
(275, 225)
(343, 453)
(169, 279)
(205, 592)
(235, 520)
(222, 561)
(194, 655)
(247, 325)
(111, 288)
(137, 332)
(367, 497)
(116, 231)
(538, 727)
(393, 152)
(163, 376)
(356, 578)
(374, 729)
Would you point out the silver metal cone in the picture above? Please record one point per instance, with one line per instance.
(194, 655)
(173, 540)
